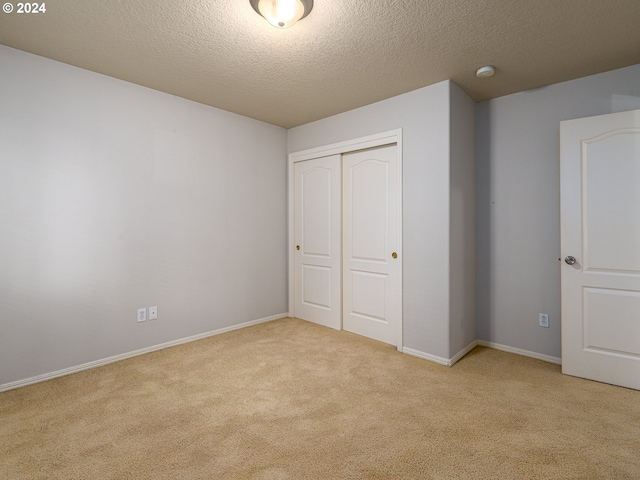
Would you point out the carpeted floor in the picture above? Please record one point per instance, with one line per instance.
(292, 400)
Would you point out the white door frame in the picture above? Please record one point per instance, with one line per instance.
(370, 141)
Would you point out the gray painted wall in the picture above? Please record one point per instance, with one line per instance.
(423, 116)
(462, 261)
(518, 206)
(115, 197)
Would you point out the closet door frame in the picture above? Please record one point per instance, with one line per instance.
(371, 141)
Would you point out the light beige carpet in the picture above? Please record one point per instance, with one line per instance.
(292, 400)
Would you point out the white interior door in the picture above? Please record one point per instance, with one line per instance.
(317, 240)
(371, 224)
(600, 199)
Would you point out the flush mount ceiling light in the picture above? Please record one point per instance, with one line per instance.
(486, 71)
(282, 13)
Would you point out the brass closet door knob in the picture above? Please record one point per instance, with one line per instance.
(394, 255)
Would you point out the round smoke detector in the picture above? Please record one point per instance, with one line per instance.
(486, 71)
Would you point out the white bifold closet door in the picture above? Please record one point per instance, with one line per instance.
(347, 221)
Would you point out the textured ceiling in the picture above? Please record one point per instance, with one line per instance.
(345, 54)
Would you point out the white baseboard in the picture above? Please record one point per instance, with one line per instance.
(519, 351)
(447, 362)
(463, 352)
(135, 353)
(409, 351)
(426, 356)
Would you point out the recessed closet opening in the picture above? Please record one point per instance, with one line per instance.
(345, 236)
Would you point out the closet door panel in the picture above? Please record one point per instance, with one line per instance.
(370, 243)
(318, 238)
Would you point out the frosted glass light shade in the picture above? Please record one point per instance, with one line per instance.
(282, 13)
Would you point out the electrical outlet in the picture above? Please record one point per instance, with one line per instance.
(142, 315)
(543, 320)
(153, 313)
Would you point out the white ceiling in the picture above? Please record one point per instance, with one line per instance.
(345, 54)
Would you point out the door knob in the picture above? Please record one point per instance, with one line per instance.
(394, 255)
(297, 247)
(570, 260)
